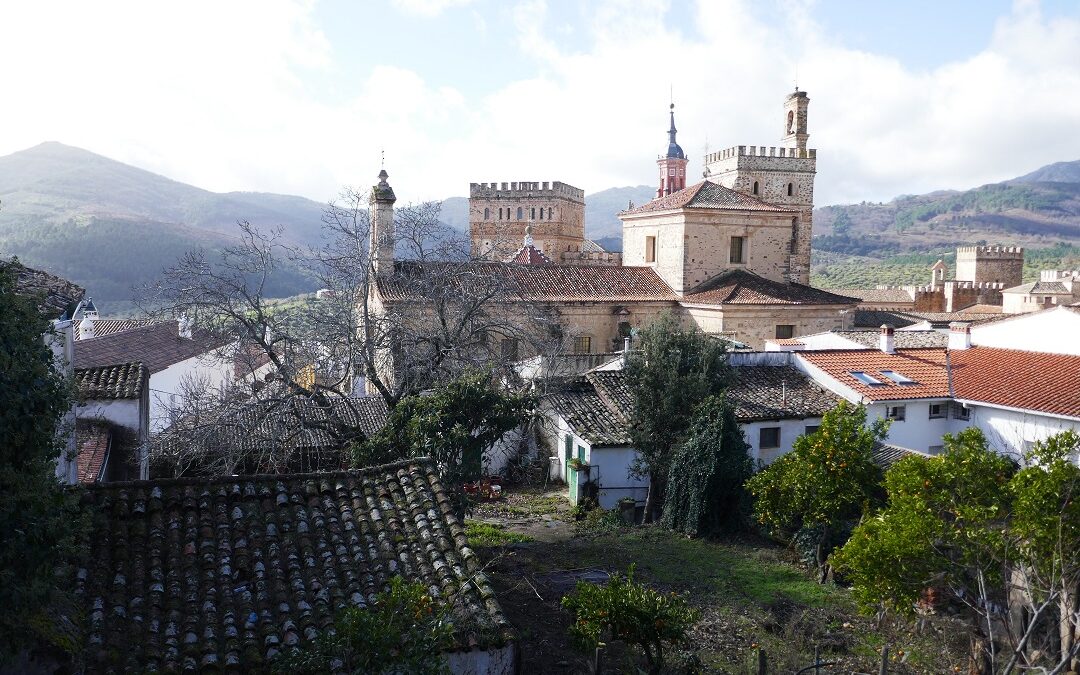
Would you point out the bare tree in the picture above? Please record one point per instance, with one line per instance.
(396, 328)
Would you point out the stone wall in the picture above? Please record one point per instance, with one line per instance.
(756, 324)
(555, 211)
(774, 170)
(998, 264)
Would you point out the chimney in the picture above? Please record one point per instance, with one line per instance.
(959, 335)
(626, 350)
(888, 339)
(86, 328)
(381, 217)
(183, 326)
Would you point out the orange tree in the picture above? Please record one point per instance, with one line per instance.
(631, 612)
(814, 494)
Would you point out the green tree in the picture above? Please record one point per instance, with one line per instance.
(944, 527)
(705, 487)
(404, 632)
(829, 479)
(669, 374)
(456, 425)
(629, 611)
(1046, 524)
(38, 521)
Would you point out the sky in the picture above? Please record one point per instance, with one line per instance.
(304, 97)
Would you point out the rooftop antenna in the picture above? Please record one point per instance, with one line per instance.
(796, 78)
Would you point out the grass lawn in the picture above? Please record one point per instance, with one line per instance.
(749, 592)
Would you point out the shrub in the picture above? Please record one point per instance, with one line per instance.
(632, 612)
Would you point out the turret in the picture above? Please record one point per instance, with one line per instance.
(672, 165)
(381, 214)
(795, 119)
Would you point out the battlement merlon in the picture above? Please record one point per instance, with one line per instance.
(761, 158)
(983, 252)
(526, 189)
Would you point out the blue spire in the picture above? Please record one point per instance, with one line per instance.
(673, 149)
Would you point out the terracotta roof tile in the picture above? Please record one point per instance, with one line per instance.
(739, 287)
(925, 366)
(548, 283)
(92, 440)
(125, 380)
(223, 573)
(156, 346)
(589, 415)
(103, 327)
(777, 393)
(55, 295)
(529, 255)
(706, 195)
(1039, 381)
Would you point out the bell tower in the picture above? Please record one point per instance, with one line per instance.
(672, 165)
(795, 118)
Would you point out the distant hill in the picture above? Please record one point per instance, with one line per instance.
(109, 226)
(1058, 172)
(601, 209)
(1039, 210)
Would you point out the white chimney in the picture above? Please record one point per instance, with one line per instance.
(959, 335)
(86, 328)
(888, 339)
(626, 350)
(183, 326)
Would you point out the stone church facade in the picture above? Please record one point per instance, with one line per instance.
(729, 255)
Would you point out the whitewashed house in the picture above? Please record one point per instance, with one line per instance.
(112, 423)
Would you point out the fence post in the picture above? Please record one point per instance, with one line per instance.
(762, 662)
(884, 670)
(598, 660)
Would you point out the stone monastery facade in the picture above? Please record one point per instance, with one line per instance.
(730, 254)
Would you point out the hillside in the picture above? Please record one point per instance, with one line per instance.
(109, 226)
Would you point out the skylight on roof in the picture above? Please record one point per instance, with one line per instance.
(897, 377)
(865, 378)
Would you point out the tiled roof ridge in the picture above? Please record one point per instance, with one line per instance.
(419, 462)
(605, 395)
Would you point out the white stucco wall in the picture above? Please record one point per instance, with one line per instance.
(611, 469)
(1011, 432)
(165, 384)
(789, 431)
(122, 412)
(500, 661)
(917, 431)
(1053, 331)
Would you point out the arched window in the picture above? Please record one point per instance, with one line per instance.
(500, 214)
(532, 213)
(755, 187)
(550, 211)
(541, 213)
(519, 213)
(791, 121)
(790, 189)
(487, 213)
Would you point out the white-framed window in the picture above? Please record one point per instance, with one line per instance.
(769, 437)
(938, 411)
(671, 171)
(896, 413)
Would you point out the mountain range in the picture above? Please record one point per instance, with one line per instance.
(110, 226)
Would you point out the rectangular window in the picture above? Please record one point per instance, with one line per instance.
(583, 344)
(937, 411)
(568, 450)
(509, 349)
(958, 411)
(769, 437)
(897, 377)
(812, 429)
(650, 249)
(936, 449)
(785, 331)
(738, 250)
(896, 412)
(865, 378)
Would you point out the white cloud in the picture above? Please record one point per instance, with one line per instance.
(428, 9)
(221, 95)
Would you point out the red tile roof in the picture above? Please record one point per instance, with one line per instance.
(157, 346)
(529, 255)
(925, 366)
(739, 287)
(707, 195)
(125, 380)
(1048, 383)
(92, 441)
(547, 283)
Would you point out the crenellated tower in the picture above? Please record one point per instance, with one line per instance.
(673, 164)
(779, 175)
